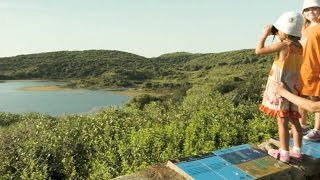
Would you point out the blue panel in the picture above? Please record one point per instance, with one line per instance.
(231, 163)
(225, 169)
(212, 167)
(240, 154)
(193, 168)
(229, 172)
(310, 148)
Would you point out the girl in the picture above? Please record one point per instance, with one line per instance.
(285, 69)
(310, 68)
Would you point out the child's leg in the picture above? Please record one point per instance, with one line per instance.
(296, 132)
(283, 152)
(316, 115)
(303, 119)
(317, 121)
(295, 152)
(314, 134)
(283, 130)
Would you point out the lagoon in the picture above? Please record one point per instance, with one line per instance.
(21, 96)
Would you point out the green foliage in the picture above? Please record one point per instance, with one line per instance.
(120, 141)
(7, 119)
(142, 100)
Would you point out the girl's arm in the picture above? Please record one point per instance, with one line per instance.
(299, 101)
(275, 47)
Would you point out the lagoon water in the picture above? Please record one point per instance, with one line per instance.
(55, 103)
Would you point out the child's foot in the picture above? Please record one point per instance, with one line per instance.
(276, 154)
(305, 130)
(313, 135)
(295, 155)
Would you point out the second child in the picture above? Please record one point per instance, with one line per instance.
(310, 68)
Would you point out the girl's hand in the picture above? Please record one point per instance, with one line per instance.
(267, 30)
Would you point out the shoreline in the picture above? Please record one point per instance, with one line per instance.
(44, 88)
(126, 92)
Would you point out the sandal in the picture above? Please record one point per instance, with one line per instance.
(276, 154)
(294, 155)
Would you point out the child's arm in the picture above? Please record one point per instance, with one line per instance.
(299, 101)
(275, 47)
(263, 38)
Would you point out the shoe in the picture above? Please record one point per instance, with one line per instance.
(305, 130)
(276, 154)
(313, 135)
(294, 155)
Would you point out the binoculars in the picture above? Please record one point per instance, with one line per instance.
(274, 30)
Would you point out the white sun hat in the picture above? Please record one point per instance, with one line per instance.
(310, 3)
(290, 23)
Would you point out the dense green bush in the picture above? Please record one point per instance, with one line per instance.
(120, 141)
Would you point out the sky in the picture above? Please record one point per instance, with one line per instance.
(147, 28)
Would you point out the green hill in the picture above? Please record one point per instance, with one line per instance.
(104, 68)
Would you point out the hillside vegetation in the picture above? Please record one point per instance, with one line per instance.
(103, 68)
(212, 104)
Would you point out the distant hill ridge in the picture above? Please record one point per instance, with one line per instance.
(110, 68)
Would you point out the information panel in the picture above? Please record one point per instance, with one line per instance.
(238, 162)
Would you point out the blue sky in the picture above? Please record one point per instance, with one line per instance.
(148, 28)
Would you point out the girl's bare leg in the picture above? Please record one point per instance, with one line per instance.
(303, 119)
(316, 116)
(317, 121)
(296, 132)
(283, 130)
